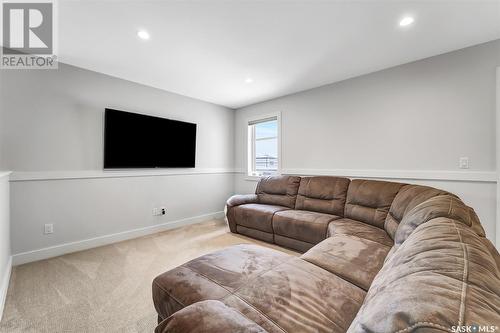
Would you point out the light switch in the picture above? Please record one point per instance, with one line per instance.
(48, 229)
(463, 163)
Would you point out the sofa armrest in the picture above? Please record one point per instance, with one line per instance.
(241, 199)
(208, 317)
(234, 201)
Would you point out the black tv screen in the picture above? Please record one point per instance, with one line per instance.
(134, 140)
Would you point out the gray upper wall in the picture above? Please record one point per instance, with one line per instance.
(422, 115)
(53, 119)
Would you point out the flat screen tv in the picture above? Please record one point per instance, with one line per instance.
(134, 140)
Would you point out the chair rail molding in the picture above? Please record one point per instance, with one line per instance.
(444, 175)
(5, 173)
(19, 176)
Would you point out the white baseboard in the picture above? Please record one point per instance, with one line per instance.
(4, 286)
(58, 250)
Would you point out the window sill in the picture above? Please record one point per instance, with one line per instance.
(252, 178)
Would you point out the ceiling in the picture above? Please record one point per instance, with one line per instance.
(208, 49)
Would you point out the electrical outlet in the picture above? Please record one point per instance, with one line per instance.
(463, 163)
(159, 211)
(48, 229)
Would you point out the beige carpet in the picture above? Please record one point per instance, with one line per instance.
(106, 289)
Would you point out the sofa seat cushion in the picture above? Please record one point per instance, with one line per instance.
(354, 259)
(303, 225)
(279, 292)
(362, 230)
(256, 216)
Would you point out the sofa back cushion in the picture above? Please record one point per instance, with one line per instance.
(278, 190)
(443, 275)
(323, 194)
(447, 206)
(369, 200)
(407, 198)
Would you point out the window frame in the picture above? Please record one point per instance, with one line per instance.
(251, 173)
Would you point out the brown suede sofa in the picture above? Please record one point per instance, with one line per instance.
(379, 257)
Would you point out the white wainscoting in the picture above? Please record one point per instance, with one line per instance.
(5, 250)
(95, 208)
(4, 286)
(57, 250)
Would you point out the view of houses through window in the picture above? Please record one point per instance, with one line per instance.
(263, 146)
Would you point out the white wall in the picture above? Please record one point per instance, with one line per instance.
(5, 253)
(412, 121)
(53, 145)
(498, 158)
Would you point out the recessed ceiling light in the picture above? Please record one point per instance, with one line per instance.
(248, 80)
(143, 34)
(406, 21)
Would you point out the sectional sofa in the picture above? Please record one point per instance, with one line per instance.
(378, 257)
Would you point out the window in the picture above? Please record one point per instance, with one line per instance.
(263, 146)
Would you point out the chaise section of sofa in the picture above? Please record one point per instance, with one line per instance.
(213, 276)
(277, 291)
